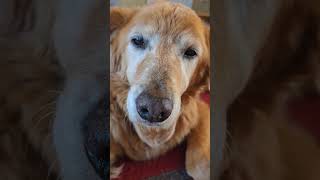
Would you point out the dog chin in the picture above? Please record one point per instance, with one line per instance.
(153, 134)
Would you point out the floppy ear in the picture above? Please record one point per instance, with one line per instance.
(200, 81)
(208, 59)
(119, 17)
(204, 74)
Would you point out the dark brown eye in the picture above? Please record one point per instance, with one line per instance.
(139, 42)
(190, 53)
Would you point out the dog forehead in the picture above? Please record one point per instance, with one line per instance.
(168, 19)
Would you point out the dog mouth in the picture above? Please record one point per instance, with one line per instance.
(96, 133)
(154, 136)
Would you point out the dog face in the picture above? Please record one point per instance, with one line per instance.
(164, 55)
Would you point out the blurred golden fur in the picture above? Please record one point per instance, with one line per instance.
(31, 80)
(36, 42)
(263, 143)
(28, 97)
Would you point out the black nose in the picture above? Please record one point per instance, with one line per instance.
(153, 109)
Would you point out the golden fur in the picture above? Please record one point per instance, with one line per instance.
(31, 70)
(132, 138)
(263, 143)
(32, 82)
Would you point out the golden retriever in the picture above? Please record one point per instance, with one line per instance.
(159, 65)
(269, 52)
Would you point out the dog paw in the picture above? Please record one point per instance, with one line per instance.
(199, 171)
(115, 171)
(198, 166)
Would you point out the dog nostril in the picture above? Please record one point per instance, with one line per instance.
(144, 110)
(162, 114)
(144, 113)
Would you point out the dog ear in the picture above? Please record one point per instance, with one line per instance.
(205, 78)
(208, 59)
(119, 17)
(200, 81)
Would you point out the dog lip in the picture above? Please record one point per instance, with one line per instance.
(152, 124)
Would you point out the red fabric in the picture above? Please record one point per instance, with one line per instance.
(173, 160)
(206, 97)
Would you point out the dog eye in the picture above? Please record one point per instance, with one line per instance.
(190, 53)
(139, 42)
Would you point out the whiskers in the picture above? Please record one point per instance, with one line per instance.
(45, 115)
(46, 112)
(227, 145)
